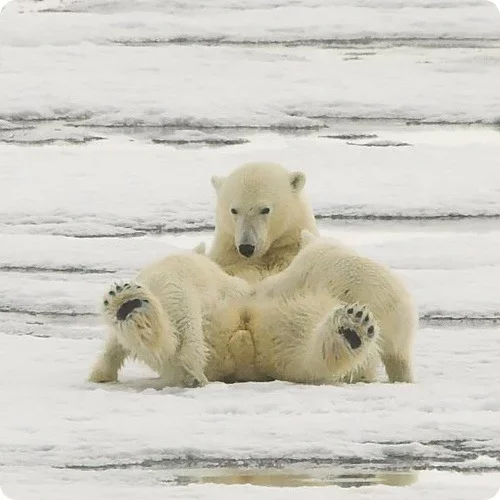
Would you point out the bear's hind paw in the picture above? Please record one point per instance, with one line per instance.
(356, 325)
(123, 300)
(350, 334)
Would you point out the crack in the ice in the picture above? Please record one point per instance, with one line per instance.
(461, 451)
(47, 269)
(29, 312)
(330, 43)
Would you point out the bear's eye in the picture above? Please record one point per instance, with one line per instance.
(234, 211)
(265, 211)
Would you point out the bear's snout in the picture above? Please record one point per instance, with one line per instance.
(246, 250)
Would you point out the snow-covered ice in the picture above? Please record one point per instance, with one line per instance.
(411, 182)
(59, 249)
(291, 64)
(113, 116)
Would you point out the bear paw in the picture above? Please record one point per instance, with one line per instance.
(356, 325)
(349, 337)
(123, 301)
(101, 374)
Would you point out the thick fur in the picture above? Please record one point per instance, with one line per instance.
(311, 338)
(350, 277)
(192, 323)
(158, 318)
(261, 205)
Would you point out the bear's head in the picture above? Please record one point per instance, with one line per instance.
(258, 204)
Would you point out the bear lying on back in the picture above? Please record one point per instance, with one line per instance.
(353, 278)
(191, 323)
(159, 318)
(261, 209)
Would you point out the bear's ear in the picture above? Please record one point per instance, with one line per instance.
(200, 248)
(217, 182)
(297, 181)
(306, 237)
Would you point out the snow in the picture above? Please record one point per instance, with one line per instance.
(140, 64)
(129, 438)
(90, 429)
(417, 181)
(186, 86)
(77, 485)
(248, 20)
(115, 114)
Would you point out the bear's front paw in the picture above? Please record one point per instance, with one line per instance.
(101, 375)
(194, 382)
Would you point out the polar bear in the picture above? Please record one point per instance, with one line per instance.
(353, 278)
(191, 323)
(261, 209)
(158, 317)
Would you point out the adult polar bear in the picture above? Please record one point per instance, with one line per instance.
(192, 323)
(261, 210)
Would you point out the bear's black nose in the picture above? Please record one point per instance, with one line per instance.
(246, 250)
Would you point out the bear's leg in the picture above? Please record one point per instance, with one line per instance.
(140, 325)
(367, 373)
(109, 362)
(311, 338)
(346, 340)
(398, 367)
(186, 316)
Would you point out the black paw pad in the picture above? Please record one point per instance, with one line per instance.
(370, 332)
(351, 336)
(112, 293)
(106, 303)
(127, 307)
(367, 318)
(359, 314)
(118, 288)
(350, 310)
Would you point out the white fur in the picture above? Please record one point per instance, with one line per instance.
(193, 323)
(165, 331)
(200, 248)
(248, 191)
(349, 277)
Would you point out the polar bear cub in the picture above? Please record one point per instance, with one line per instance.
(158, 318)
(353, 278)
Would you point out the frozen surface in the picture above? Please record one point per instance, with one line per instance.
(128, 439)
(129, 486)
(114, 114)
(98, 430)
(121, 187)
(230, 64)
(248, 20)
